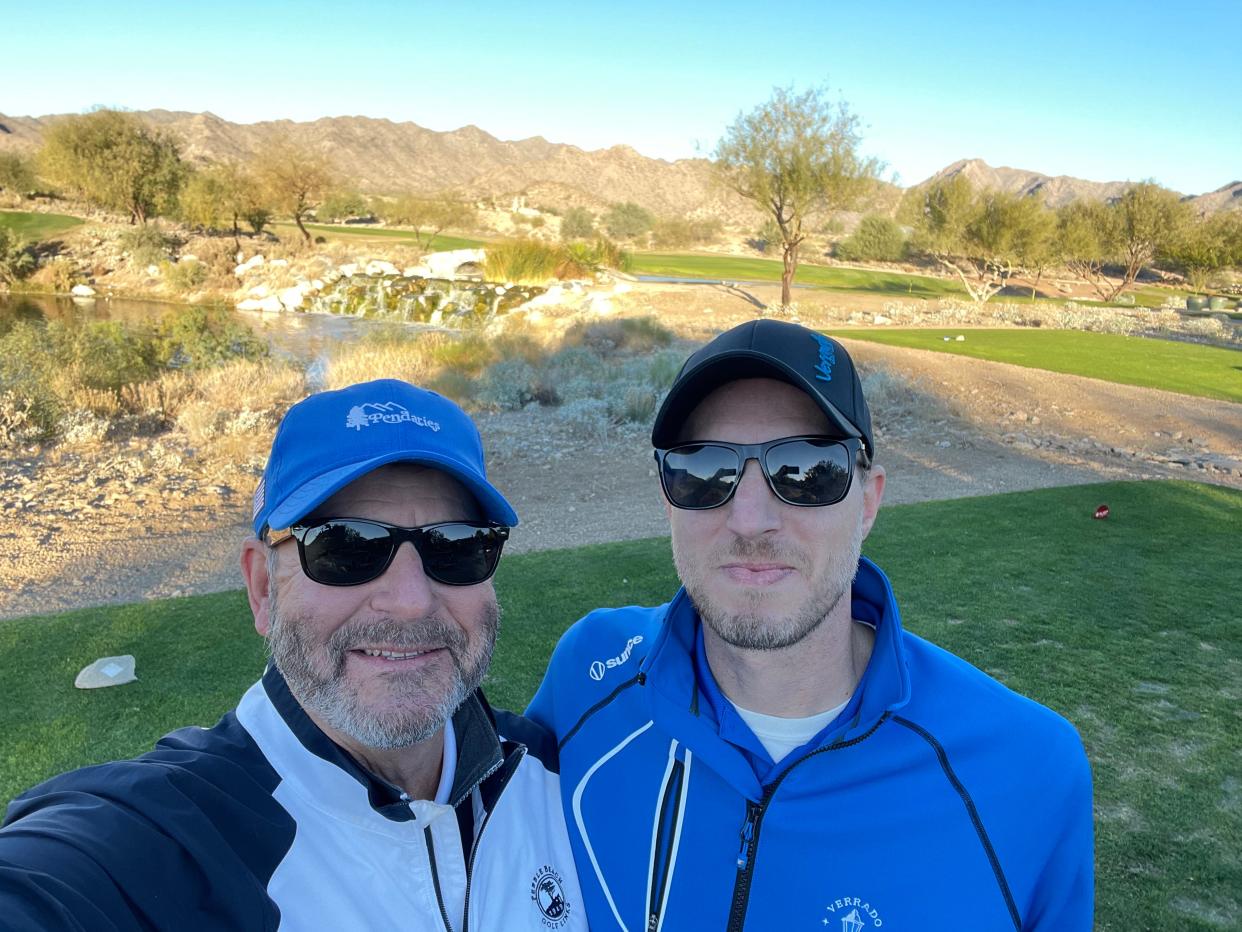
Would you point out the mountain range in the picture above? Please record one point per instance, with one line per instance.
(379, 156)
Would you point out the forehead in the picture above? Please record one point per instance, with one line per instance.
(402, 487)
(753, 411)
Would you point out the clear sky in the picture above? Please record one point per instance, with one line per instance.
(1102, 90)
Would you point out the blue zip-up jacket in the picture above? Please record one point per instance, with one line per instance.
(943, 802)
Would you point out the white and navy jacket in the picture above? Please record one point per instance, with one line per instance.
(263, 823)
(938, 801)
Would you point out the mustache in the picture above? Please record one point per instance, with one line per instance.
(399, 634)
(761, 549)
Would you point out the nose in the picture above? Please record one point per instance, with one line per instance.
(753, 510)
(405, 590)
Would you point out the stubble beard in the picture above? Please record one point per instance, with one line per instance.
(316, 676)
(753, 628)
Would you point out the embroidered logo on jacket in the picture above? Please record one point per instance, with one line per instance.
(853, 914)
(547, 891)
(600, 667)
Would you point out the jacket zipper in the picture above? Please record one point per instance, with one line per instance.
(518, 754)
(435, 878)
(662, 862)
(754, 822)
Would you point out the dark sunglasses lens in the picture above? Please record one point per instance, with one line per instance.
(809, 472)
(460, 554)
(346, 553)
(699, 475)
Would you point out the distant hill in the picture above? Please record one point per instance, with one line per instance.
(382, 157)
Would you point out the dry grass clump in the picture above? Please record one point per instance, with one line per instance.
(242, 397)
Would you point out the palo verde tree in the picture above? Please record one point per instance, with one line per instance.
(115, 160)
(222, 195)
(429, 216)
(293, 180)
(795, 157)
(982, 237)
(1206, 246)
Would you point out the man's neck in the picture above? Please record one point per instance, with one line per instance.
(818, 673)
(415, 769)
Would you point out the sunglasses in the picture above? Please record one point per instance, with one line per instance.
(805, 471)
(353, 551)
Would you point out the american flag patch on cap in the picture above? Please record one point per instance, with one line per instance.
(258, 500)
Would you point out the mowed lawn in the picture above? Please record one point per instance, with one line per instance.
(1189, 368)
(737, 268)
(37, 227)
(441, 241)
(1127, 626)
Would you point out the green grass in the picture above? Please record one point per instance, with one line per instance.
(735, 268)
(1127, 626)
(441, 241)
(37, 227)
(1205, 371)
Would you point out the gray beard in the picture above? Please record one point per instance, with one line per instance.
(326, 693)
(751, 629)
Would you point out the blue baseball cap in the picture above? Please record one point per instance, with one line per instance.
(328, 440)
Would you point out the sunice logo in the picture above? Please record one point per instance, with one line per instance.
(600, 667)
(827, 358)
(386, 412)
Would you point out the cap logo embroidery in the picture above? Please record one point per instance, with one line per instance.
(827, 358)
(386, 412)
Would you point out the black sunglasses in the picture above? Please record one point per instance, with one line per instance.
(353, 551)
(806, 471)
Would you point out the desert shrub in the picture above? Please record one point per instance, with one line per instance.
(531, 220)
(588, 417)
(627, 221)
(243, 396)
(680, 232)
(198, 337)
(16, 262)
(624, 334)
(185, 276)
(469, 354)
(877, 239)
(521, 261)
(766, 238)
(16, 173)
(509, 385)
(578, 223)
(20, 422)
(585, 259)
(59, 275)
(146, 244)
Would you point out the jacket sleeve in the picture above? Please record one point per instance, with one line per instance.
(1064, 898)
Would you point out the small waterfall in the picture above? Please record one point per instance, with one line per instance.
(419, 300)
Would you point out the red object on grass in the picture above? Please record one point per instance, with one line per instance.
(1102, 511)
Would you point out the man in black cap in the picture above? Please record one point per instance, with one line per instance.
(770, 750)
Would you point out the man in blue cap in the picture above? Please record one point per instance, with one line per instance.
(363, 782)
(770, 749)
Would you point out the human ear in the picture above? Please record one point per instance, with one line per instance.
(258, 583)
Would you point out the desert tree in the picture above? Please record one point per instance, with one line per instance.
(17, 174)
(221, 196)
(293, 180)
(113, 159)
(627, 220)
(983, 237)
(429, 216)
(1205, 246)
(795, 156)
(578, 223)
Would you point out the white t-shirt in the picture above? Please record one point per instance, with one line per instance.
(779, 735)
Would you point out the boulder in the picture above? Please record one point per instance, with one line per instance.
(82, 291)
(380, 267)
(279, 263)
(292, 298)
(446, 264)
(188, 257)
(259, 291)
(416, 271)
(349, 268)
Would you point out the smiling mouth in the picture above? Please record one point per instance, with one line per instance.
(392, 654)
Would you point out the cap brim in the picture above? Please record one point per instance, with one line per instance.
(310, 495)
(694, 386)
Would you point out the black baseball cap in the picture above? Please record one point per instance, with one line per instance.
(770, 349)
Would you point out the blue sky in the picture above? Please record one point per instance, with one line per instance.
(1104, 91)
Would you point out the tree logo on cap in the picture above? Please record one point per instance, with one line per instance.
(388, 412)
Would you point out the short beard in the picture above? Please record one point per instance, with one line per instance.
(751, 629)
(319, 685)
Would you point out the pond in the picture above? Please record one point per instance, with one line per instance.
(294, 335)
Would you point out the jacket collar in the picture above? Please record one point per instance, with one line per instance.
(671, 672)
(479, 753)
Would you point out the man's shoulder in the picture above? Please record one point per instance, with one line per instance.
(608, 638)
(952, 696)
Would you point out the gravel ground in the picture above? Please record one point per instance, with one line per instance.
(96, 526)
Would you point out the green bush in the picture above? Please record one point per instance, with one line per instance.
(680, 232)
(578, 223)
(146, 244)
(16, 173)
(627, 221)
(185, 276)
(198, 337)
(521, 261)
(877, 239)
(16, 262)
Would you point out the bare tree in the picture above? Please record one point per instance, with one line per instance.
(795, 156)
(294, 180)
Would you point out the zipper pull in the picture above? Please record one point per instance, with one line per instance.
(747, 834)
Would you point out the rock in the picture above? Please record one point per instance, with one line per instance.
(271, 304)
(279, 263)
(600, 304)
(250, 304)
(82, 291)
(349, 269)
(188, 257)
(446, 264)
(880, 320)
(259, 291)
(107, 671)
(380, 267)
(416, 271)
(437, 316)
(317, 284)
(153, 270)
(292, 298)
(622, 287)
